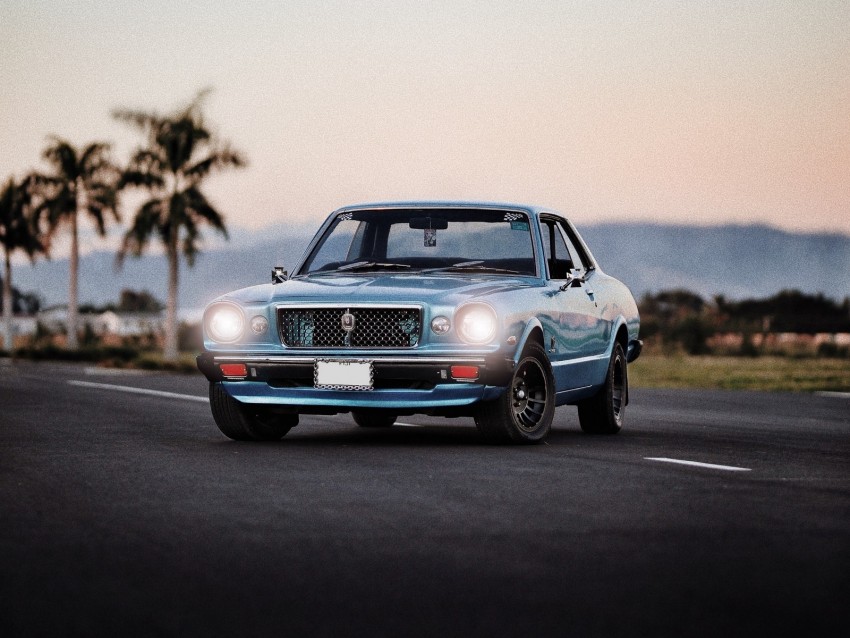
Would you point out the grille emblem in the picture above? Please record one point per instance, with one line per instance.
(348, 321)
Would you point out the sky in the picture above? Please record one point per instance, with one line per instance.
(702, 112)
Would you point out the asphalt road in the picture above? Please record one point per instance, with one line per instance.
(129, 514)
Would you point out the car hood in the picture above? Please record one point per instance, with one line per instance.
(379, 288)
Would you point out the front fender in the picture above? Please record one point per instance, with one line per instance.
(532, 325)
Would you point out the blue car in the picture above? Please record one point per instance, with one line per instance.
(494, 311)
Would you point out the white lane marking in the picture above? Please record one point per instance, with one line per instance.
(834, 395)
(131, 390)
(113, 372)
(407, 425)
(711, 466)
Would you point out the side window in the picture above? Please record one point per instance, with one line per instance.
(579, 259)
(558, 256)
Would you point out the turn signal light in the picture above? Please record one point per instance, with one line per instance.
(464, 373)
(234, 369)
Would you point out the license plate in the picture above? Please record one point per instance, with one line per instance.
(343, 375)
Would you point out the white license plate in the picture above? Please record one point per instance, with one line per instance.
(343, 375)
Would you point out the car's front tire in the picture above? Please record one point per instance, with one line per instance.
(604, 412)
(524, 413)
(244, 422)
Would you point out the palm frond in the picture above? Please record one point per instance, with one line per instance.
(63, 157)
(95, 157)
(202, 209)
(17, 228)
(144, 120)
(145, 223)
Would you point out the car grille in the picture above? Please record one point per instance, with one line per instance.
(373, 327)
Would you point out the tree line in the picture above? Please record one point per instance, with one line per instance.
(683, 319)
(177, 154)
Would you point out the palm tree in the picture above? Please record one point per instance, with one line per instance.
(180, 153)
(17, 232)
(83, 181)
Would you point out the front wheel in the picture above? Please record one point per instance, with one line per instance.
(244, 422)
(604, 412)
(524, 413)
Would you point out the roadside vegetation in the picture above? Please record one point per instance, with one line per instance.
(767, 373)
(748, 359)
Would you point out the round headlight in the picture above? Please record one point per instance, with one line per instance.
(476, 323)
(225, 323)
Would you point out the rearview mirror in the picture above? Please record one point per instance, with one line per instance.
(428, 223)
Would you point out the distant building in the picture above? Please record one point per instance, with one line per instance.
(120, 324)
(129, 324)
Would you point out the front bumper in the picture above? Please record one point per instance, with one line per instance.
(402, 383)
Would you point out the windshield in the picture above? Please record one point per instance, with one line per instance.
(461, 240)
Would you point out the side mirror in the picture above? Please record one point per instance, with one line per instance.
(574, 280)
(279, 275)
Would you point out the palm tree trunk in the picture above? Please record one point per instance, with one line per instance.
(8, 332)
(73, 342)
(170, 352)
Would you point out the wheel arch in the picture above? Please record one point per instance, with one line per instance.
(533, 333)
(621, 336)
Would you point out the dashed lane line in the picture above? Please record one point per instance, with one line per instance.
(834, 395)
(710, 466)
(132, 390)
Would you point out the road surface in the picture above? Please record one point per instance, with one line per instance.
(123, 511)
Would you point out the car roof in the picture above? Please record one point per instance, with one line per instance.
(397, 205)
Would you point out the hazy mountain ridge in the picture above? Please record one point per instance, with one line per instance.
(736, 261)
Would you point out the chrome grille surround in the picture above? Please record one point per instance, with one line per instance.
(374, 326)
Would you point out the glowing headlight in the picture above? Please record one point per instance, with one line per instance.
(476, 323)
(225, 323)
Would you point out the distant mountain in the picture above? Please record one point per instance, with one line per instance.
(736, 261)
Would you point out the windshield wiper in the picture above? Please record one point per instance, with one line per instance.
(371, 265)
(472, 266)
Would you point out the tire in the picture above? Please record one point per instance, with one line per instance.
(604, 413)
(243, 422)
(524, 413)
(373, 419)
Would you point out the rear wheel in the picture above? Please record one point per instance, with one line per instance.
(373, 418)
(524, 413)
(245, 422)
(603, 413)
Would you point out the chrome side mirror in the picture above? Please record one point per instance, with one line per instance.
(279, 275)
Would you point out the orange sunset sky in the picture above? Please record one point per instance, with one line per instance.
(697, 112)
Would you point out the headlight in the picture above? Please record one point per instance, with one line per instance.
(225, 322)
(476, 323)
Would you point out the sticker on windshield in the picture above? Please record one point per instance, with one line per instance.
(430, 237)
(519, 226)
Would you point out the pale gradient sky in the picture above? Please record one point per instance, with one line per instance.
(700, 112)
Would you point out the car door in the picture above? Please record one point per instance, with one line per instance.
(573, 327)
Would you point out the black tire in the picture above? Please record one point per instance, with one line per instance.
(604, 413)
(243, 422)
(524, 413)
(374, 419)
